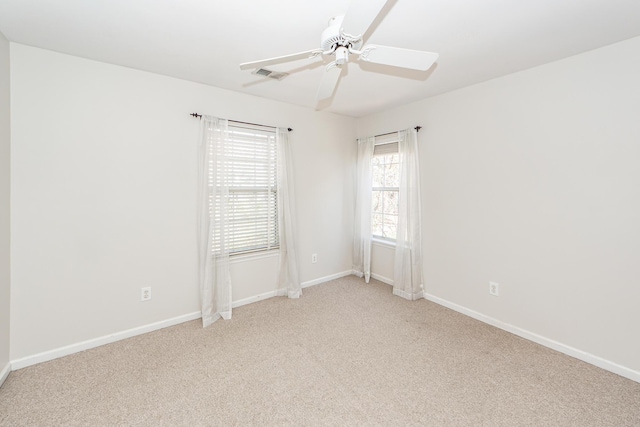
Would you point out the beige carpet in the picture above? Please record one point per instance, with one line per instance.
(344, 354)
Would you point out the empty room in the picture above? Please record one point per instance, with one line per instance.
(347, 212)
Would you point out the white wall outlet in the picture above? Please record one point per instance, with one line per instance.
(494, 289)
(145, 293)
(314, 258)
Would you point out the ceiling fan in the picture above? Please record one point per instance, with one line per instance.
(343, 37)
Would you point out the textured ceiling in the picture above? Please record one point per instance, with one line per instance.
(205, 41)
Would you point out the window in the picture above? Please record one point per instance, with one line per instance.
(252, 207)
(384, 199)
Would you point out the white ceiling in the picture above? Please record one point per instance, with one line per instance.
(204, 41)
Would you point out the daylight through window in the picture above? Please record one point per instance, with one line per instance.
(384, 200)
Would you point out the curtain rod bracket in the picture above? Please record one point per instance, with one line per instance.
(417, 128)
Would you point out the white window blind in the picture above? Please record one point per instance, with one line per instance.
(386, 144)
(387, 148)
(252, 218)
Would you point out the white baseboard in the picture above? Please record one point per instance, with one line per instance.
(382, 279)
(256, 298)
(4, 373)
(555, 345)
(283, 292)
(326, 279)
(96, 342)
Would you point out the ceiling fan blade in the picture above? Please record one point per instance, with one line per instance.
(398, 57)
(280, 59)
(329, 81)
(360, 15)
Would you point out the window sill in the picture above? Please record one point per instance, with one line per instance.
(382, 242)
(234, 259)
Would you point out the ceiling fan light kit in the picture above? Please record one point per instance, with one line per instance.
(337, 40)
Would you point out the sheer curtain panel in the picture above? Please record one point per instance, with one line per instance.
(407, 275)
(362, 228)
(213, 224)
(288, 280)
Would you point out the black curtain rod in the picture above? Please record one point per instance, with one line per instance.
(244, 123)
(417, 128)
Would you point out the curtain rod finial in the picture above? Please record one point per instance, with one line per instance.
(289, 129)
(196, 115)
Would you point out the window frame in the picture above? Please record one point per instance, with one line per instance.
(383, 146)
(264, 168)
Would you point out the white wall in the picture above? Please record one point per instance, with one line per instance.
(5, 137)
(104, 196)
(531, 180)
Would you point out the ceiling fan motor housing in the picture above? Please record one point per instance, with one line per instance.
(332, 38)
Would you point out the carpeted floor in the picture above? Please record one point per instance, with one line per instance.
(344, 354)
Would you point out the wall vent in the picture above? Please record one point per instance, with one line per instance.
(271, 74)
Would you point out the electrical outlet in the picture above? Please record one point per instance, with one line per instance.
(145, 293)
(494, 289)
(314, 258)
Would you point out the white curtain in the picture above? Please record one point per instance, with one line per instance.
(407, 275)
(362, 229)
(288, 280)
(213, 231)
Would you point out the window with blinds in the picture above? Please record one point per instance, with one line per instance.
(250, 160)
